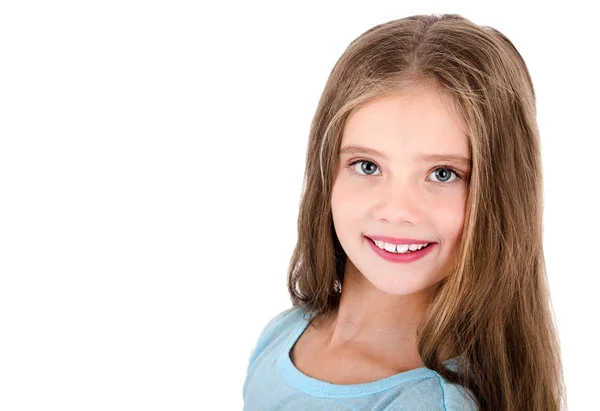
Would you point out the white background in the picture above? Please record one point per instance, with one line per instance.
(151, 161)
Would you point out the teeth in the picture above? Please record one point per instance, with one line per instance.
(400, 248)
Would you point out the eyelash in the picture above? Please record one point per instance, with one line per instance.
(443, 166)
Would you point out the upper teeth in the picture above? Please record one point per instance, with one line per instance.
(398, 248)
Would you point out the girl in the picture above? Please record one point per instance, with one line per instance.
(418, 280)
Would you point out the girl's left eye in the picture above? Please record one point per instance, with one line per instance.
(442, 172)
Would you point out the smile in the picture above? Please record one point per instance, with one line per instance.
(401, 253)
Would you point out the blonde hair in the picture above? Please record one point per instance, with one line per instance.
(494, 309)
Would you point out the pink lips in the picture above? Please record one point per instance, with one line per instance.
(401, 258)
(393, 240)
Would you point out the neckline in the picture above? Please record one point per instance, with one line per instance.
(297, 379)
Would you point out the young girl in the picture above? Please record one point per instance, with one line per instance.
(418, 280)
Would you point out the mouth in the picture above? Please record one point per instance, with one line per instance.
(416, 242)
(402, 256)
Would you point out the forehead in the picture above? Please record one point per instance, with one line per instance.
(416, 121)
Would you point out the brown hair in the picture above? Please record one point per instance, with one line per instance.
(494, 309)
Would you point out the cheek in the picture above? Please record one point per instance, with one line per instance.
(348, 210)
(346, 198)
(449, 219)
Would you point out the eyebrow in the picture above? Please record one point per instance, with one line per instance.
(423, 157)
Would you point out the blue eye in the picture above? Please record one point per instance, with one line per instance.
(444, 173)
(365, 168)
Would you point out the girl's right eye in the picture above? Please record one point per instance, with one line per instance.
(367, 167)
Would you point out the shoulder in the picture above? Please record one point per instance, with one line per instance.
(277, 327)
(455, 396)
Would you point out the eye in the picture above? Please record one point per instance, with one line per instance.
(366, 166)
(444, 173)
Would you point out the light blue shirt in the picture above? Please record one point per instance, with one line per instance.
(274, 383)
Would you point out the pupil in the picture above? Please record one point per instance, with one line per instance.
(365, 167)
(445, 172)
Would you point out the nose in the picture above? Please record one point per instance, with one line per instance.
(400, 203)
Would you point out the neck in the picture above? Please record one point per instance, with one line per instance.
(366, 315)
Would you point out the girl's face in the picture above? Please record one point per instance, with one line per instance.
(390, 184)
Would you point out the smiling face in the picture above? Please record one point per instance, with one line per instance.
(400, 190)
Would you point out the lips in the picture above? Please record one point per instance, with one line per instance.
(407, 251)
(394, 240)
(401, 257)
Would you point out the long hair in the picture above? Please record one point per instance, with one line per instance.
(494, 309)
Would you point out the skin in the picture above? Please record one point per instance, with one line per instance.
(395, 193)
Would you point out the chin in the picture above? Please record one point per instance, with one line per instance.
(401, 284)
